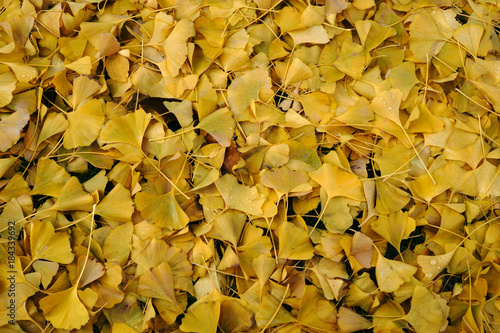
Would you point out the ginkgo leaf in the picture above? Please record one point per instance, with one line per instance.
(263, 267)
(228, 226)
(117, 205)
(8, 84)
(175, 46)
(238, 196)
(220, 125)
(49, 245)
(372, 34)
(469, 35)
(128, 129)
(285, 180)
(92, 270)
(73, 197)
(16, 187)
(314, 35)
(428, 312)
(433, 265)
(83, 89)
(82, 66)
(118, 243)
(65, 310)
(5, 164)
(54, 123)
(387, 104)
(107, 287)
(246, 88)
(391, 274)
(350, 321)
(47, 270)
(337, 182)
(394, 227)
(270, 313)
(426, 37)
(234, 316)
(201, 317)
(162, 210)
(108, 45)
(158, 283)
(294, 242)
(84, 125)
(10, 128)
(50, 178)
(351, 60)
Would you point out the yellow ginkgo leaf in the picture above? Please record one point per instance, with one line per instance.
(83, 89)
(128, 129)
(352, 59)
(65, 310)
(53, 124)
(220, 125)
(107, 287)
(469, 35)
(84, 125)
(386, 104)
(429, 311)
(92, 270)
(23, 72)
(284, 180)
(391, 274)
(238, 196)
(118, 243)
(82, 66)
(176, 47)
(8, 84)
(117, 205)
(10, 128)
(313, 35)
(350, 321)
(271, 313)
(403, 78)
(294, 242)
(149, 254)
(338, 183)
(228, 226)
(125, 134)
(294, 72)
(373, 34)
(426, 36)
(421, 120)
(394, 227)
(47, 270)
(246, 88)
(263, 267)
(433, 265)
(162, 210)
(16, 187)
(201, 317)
(234, 316)
(390, 199)
(5, 164)
(49, 245)
(12, 212)
(73, 197)
(158, 283)
(50, 178)
(108, 45)
(122, 328)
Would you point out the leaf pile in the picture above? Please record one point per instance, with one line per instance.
(246, 166)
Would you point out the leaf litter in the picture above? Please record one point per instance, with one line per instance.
(250, 166)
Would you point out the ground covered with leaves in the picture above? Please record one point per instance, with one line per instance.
(249, 166)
